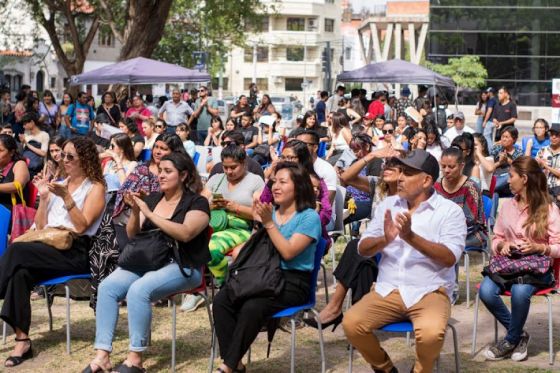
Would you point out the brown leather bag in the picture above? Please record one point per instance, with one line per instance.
(59, 238)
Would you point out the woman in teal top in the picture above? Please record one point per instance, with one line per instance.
(294, 228)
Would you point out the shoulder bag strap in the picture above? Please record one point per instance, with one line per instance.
(19, 192)
(109, 114)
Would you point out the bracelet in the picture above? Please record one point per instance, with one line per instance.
(70, 206)
(269, 226)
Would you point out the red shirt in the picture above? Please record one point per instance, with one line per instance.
(376, 108)
(142, 111)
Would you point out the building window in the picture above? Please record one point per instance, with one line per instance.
(348, 53)
(216, 81)
(105, 38)
(265, 24)
(262, 83)
(329, 1)
(295, 53)
(329, 25)
(296, 24)
(293, 84)
(53, 83)
(262, 54)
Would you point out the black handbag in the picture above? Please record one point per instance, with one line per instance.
(149, 251)
(256, 271)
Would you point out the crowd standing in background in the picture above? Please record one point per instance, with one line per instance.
(173, 174)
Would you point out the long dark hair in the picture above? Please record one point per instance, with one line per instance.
(11, 146)
(172, 141)
(466, 141)
(184, 163)
(308, 114)
(302, 153)
(538, 198)
(303, 187)
(125, 143)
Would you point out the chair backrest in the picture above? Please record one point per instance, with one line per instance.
(556, 269)
(524, 142)
(202, 159)
(339, 208)
(5, 216)
(145, 155)
(319, 252)
(196, 158)
(322, 151)
(487, 203)
(217, 154)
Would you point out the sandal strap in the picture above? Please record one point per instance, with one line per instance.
(15, 360)
(22, 339)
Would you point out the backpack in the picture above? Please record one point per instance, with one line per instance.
(256, 272)
(441, 118)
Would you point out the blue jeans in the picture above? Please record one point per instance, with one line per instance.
(479, 121)
(140, 290)
(520, 302)
(488, 134)
(363, 210)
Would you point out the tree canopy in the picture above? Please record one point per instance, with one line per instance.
(466, 72)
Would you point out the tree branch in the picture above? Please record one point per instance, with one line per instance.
(49, 26)
(70, 18)
(110, 20)
(91, 33)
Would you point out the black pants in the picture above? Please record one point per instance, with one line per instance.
(356, 272)
(238, 323)
(25, 264)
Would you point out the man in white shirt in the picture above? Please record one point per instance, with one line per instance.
(176, 111)
(458, 128)
(420, 236)
(332, 102)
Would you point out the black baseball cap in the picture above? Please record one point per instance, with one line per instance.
(423, 161)
(555, 127)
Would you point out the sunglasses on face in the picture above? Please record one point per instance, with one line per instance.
(159, 126)
(390, 132)
(201, 90)
(112, 146)
(68, 156)
(227, 143)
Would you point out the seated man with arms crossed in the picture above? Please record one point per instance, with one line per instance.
(420, 235)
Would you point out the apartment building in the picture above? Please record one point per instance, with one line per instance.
(285, 56)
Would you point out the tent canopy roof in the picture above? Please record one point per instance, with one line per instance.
(140, 70)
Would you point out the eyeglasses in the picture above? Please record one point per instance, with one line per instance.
(202, 90)
(159, 126)
(68, 156)
(112, 146)
(390, 132)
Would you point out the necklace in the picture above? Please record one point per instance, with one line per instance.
(282, 222)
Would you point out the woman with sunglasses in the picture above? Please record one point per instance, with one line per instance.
(353, 271)
(160, 127)
(142, 179)
(388, 139)
(121, 163)
(73, 204)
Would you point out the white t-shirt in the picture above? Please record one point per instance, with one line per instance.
(326, 172)
(453, 132)
(485, 176)
(42, 138)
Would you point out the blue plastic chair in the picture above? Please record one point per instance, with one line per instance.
(5, 217)
(196, 158)
(63, 280)
(322, 151)
(524, 142)
(291, 312)
(145, 155)
(487, 204)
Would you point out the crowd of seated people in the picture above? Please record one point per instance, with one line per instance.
(111, 177)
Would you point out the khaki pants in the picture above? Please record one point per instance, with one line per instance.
(429, 318)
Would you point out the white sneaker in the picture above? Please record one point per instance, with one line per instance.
(191, 303)
(520, 352)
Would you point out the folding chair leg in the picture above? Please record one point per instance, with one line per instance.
(467, 274)
(333, 259)
(473, 346)
(67, 289)
(325, 282)
(48, 307)
(293, 346)
(4, 332)
(173, 335)
(350, 358)
(456, 348)
(212, 340)
(408, 343)
(550, 345)
(495, 330)
(321, 342)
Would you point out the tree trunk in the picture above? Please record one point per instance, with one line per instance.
(146, 22)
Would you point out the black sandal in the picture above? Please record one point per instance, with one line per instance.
(17, 360)
(123, 368)
(100, 367)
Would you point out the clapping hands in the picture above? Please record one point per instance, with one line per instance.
(401, 226)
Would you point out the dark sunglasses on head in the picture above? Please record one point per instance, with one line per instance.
(68, 156)
(228, 143)
(390, 132)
